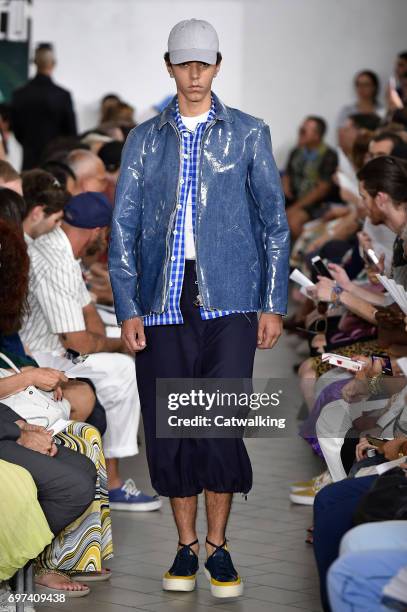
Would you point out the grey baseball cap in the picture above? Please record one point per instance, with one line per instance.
(193, 40)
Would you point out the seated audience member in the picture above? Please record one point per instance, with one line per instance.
(62, 316)
(307, 181)
(89, 170)
(383, 185)
(403, 88)
(9, 178)
(120, 112)
(59, 148)
(108, 101)
(62, 172)
(335, 512)
(351, 128)
(21, 516)
(367, 87)
(95, 139)
(400, 67)
(65, 482)
(371, 557)
(383, 143)
(5, 125)
(397, 97)
(12, 207)
(13, 294)
(44, 203)
(117, 131)
(111, 154)
(86, 542)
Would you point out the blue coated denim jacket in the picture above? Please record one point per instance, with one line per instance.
(242, 236)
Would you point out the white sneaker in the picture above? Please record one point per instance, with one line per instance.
(308, 484)
(305, 497)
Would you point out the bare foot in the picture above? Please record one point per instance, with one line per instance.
(60, 583)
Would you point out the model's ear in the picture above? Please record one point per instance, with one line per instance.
(169, 68)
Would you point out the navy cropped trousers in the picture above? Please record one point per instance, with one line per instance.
(218, 348)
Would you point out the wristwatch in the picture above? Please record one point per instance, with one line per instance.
(336, 292)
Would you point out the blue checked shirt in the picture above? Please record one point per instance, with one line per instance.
(190, 145)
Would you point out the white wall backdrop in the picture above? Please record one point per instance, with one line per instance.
(283, 59)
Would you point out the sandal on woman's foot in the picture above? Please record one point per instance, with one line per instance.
(103, 575)
(75, 589)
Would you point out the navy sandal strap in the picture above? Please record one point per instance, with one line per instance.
(188, 545)
(215, 545)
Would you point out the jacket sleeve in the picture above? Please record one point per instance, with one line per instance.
(265, 185)
(68, 122)
(8, 429)
(126, 229)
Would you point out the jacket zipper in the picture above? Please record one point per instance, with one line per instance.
(198, 192)
(167, 253)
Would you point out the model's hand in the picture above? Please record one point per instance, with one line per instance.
(133, 334)
(269, 330)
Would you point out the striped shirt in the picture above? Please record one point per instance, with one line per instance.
(57, 293)
(188, 187)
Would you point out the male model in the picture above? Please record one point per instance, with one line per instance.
(199, 245)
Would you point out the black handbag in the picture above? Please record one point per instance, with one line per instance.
(386, 500)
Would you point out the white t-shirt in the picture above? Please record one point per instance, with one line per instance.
(191, 123)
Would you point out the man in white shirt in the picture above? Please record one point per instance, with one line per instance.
(62, 316)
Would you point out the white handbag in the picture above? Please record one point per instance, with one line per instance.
(33, 405)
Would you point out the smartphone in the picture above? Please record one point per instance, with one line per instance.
(386, 363)
(319, 267)
(372, 256)
(353, 365)
(377, 442)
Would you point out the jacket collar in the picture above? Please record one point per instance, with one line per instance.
(221, 112)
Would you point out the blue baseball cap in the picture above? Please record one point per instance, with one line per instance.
(88, 210)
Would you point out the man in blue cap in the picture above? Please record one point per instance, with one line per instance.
(199, 245)
(62, 316)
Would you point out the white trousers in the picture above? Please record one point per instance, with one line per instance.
(335, 420)
(116, 388)
(332, 425)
